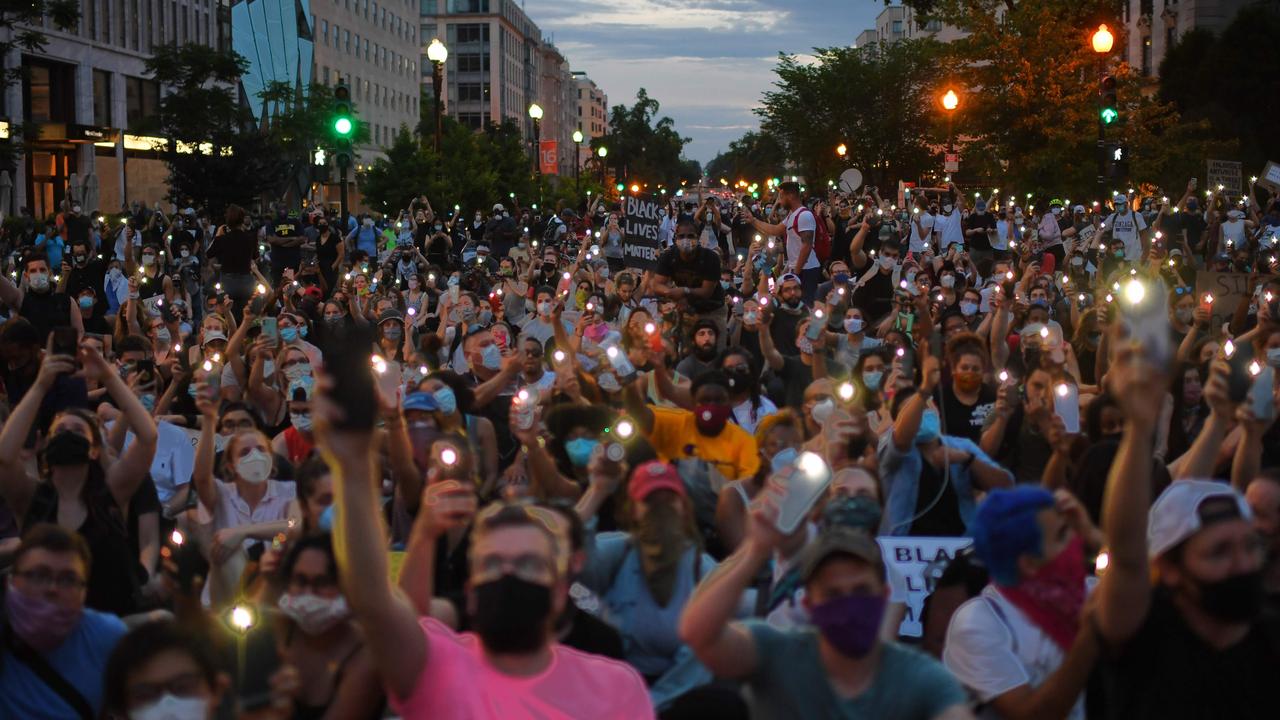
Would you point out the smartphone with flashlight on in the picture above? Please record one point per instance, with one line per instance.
(347, 362)
(1066, 405)
(1261, 393)
(1145, 304)
(802, 483)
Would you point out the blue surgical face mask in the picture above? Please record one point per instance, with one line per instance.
(326, 518)
(871, 379)
(491, 357)
(446, 400)
(148, 401)
(930, 427)
(86, 302)
(579, 450)
(289, 334)
(783, 458)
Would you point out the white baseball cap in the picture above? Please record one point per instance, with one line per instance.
(1178, 514)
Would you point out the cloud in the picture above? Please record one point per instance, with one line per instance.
(706, 61)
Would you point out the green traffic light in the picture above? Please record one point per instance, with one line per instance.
(343, 126)
(621, 187)
(1109, 115)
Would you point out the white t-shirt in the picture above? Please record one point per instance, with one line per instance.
(748, 417)
(798, 221)
(922, 221)
(948, 228)
(1127, 227)
(1000, 241)
(993, 648)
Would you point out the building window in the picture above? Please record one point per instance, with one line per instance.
(473, 33)
(468, 6)
(142, 101)
(324, 25)
(101, 98)
(470, 92)
(897, 27)
(473, 62)
(473, 120)
(1146, 56)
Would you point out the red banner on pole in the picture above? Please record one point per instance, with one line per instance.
(548, 157)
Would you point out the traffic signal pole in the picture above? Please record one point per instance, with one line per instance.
(1102, 136)
(344, 161)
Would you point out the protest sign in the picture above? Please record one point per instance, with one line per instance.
(640, 222)
(1270, 176)
(1226, 173)
(1229, 289)
(905, 559)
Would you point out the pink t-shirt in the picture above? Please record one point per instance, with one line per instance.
(459, 683)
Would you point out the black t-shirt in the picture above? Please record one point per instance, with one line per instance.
(960, 420)
(1192, 222)
(783, 331)
(46, 310)
(1167, 671)
(91, 275)
(77, 228)
(593, 635)
(976, 221)
(704, 266)
(236, 250)
(284, 257)
(937, 505)
(875, 299)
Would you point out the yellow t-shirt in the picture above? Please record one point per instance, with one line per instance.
(675, 436)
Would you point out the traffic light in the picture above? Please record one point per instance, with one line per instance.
(621, 187)
(1117, 162)
(343, 124)
(1108, 105)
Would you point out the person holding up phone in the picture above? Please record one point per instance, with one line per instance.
(836, 666)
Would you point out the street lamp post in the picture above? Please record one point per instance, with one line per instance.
(842, 150)
(603, 153)
(437, 53)
(1102, 41)
(950, 101)
(535, 112)
(577, 162)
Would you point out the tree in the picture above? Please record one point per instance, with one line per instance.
(643, 146)
(755, 155)
(20, 24)
(214, 154)
(876, 100)
(297, 122)
(1220, 81)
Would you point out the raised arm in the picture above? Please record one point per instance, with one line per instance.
(16, 486)
(1125, 589)
(131, 468)
(1199, 460)
(765, 335)
(396, 642)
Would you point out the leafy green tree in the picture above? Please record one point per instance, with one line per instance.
(1223, 81)
(297, 122)
(753, 156)
(876, 100)
(201, 108)
(643, 146)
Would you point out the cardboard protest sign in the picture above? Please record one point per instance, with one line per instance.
(640, 223)
(1270, 176)
(1228, 174)
(1229, 289)
(905, 559)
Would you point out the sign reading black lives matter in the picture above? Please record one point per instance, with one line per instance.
(640, 221)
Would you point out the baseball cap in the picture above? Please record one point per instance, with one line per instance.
(1181, 512)
(390, 314)
(789, 276)
(653, 476)
(1120, 198)
(838, 541)
(980, 206)
(423, 401)
(1175, 251)
(213, 336)
(497, 207)
(1078, 209)
(1055, 201)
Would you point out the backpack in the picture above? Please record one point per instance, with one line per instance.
(821, 238)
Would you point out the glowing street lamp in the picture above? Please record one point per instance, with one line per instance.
(1103, 40)
(437, 53)
(842, 150)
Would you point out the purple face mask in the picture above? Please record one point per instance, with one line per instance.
(42, 624)
(850, 623)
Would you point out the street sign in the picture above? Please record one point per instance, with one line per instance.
(952, 163)
(1226, 173)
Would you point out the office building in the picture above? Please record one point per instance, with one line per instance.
(593, 111)
(493, 68)
(900, 22)
(376, 48)
(1153, 26)
(558, 96)
(87, 95)
(865, 38)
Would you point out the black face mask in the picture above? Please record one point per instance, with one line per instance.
(1235, 599)
(511, 614)
(66, 448)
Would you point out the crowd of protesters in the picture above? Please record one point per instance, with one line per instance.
(485, 465)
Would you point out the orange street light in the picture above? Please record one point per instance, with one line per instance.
(1103, 40)
(950, 101)
(842, 150)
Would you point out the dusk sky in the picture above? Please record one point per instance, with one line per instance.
(706, 61)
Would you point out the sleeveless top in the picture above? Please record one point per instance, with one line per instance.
(298, 447)
(114, 571)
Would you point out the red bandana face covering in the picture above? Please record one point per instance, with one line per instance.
(1054, 596)
(711, 418)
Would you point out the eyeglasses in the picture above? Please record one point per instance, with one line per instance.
(185, 685)
(526, 566)
(317, 583)
(41, 579)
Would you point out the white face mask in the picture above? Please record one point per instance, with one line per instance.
(314, 614)
(302, 421)
(853, 325)
(38, 281)
(254, 467)
(172, 707)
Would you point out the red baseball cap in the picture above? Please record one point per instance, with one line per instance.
(653, 476)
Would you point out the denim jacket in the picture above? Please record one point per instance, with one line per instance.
(900, 481)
